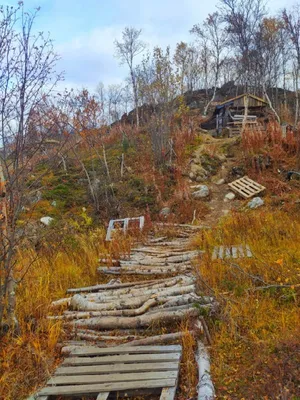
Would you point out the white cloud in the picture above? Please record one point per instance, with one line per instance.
(88, 57)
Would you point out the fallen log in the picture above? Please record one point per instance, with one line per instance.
(81, 303)
(175, 290)
(140, 271)
(189, 298)
(181, 280)
(157, 240)
(97, 338)
(96, 288)
(206, 389)
(119, 312)
(115, 296)
(155, 339)
(61, 302)
(136, 322)
(187, 226)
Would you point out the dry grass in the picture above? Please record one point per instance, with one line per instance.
(28, 360)
(256, 336)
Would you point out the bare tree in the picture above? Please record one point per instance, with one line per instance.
(126, 51)
(243, 19)
(27, 63)
(291, 21)
(114, 101)
(181, 60)
(212, 32)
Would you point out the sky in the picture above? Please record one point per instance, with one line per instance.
(84, 31)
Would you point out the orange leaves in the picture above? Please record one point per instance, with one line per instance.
(279, 262)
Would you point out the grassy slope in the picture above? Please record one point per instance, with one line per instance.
(255, 335)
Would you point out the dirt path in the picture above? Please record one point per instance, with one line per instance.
(216, 202)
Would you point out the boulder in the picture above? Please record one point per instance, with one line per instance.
(255, 203)
(164, 212)
(229, 196)
(202, 192)
(47, 220)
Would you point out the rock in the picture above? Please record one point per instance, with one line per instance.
(220, 182)
(191, 175)
(201, 193)
(200, 178)
(36, 197)
(229, 196)
(46, 220)
(54, 203)
(255, 203)
(164, 212)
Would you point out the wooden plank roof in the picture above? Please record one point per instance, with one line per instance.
(259, 99)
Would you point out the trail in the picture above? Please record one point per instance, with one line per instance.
(155, 286)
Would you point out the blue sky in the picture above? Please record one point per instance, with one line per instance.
(84, 31)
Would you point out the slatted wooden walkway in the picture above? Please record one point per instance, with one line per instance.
(94, 371)
(223, 252)
(246, 187)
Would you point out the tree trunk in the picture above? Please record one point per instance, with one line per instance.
(137, 322)
(206, 389)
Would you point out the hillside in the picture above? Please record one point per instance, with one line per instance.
(258, 298)
(150, 224)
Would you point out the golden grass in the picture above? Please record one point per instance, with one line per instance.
(256, 335)
(28, 360)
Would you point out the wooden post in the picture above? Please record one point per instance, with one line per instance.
(246, 103)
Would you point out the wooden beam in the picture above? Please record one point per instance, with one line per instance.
(168, 393)
(103, 396)
(134, 358)
(95, 389)
(113, 368)
(97, 351)
(110, 378)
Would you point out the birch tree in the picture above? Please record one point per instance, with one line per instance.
(127, 50)
(27, 65)
(291, 20)
(212, 32)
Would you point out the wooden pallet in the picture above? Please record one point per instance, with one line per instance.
(246, 187)
(123, 224)
(93, 371)
(222, 252)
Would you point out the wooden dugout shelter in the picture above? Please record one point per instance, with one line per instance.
(231, 113)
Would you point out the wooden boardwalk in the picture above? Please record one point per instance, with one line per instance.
(93, 371)
(135, 365)
(224, 252)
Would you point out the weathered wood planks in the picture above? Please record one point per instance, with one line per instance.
(96, 369)
(225, 252)
(90, 370)
(116, 377)
(246, 187)
(96, 351)
(124, 358)
(94, 389)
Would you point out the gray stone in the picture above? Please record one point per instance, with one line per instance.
(164, 212)
(255, 203)
(202, 192)
(229, 196)
(200, 178)
(47, 220)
